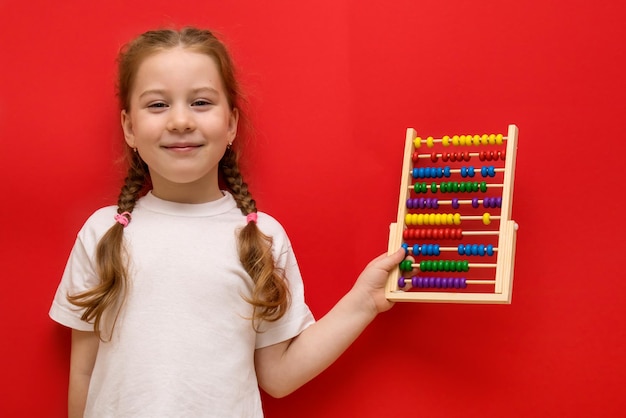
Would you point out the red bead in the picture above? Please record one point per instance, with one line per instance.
(482, 156)
(445, 157)
(433, 157)
(415, 157)
(502, 155)
(466, 156)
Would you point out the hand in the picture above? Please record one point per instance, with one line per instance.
(372, 281)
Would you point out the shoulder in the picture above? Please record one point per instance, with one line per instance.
(97, 224)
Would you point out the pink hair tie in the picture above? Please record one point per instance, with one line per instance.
(251, 217)
(123, 218)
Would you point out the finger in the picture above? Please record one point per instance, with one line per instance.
(388, 261)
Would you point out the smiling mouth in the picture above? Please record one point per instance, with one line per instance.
(181, 147)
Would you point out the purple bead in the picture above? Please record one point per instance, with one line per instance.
(455, 203)
(435, 203)
(498, 202)
(414, 281)
(401, 282)
(475, 202)
(431, 282)
(457, 283)
(463, 283)
(420, 282)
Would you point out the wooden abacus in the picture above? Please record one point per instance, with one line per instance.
(434, 272)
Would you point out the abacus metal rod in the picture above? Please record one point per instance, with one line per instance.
(452, 249)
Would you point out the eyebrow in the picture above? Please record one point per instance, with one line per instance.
(209, 90)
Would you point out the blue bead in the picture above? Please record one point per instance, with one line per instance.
(446, 171)
(491, 171)
(414, 173)
(483, 171)
(437, 252)
(489, 249)
(416, 249)
(461, 249)
(481, 249)
(470, 171)
(463, 172)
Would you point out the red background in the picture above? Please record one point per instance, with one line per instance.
(333, 85)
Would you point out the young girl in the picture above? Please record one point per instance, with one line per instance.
(183, 299)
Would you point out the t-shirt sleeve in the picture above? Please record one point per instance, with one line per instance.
(80, 273)
(298, 316)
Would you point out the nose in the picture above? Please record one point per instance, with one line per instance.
(180, 119)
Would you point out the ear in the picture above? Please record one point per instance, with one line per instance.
(127, 127)
(232, 124)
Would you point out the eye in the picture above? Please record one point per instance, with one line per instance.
(201, 102)
(157, 105)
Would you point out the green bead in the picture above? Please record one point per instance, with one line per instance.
(475, 186)
(455, 186)
(465, 265)
(483, 187)
(462, 187)
(433, 187)
(440, 265)
(446, 265)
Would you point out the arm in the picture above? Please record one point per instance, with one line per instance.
(282, 368)
(83, 357)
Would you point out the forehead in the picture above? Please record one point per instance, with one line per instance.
(177, 68)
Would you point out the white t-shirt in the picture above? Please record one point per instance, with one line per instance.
(183, 344)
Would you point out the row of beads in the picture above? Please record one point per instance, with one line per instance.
(443, 218)
(436, 265)
(493, 139)
(461, 156)
(435, 282)
(439, 172)
(432, 233)
(433, 203)
(451, 187)
(462, 249)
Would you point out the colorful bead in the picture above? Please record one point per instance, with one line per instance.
(417, 142)
(445, 141)
(475, 202)
(486, 218)
(430, 142)
(455, 203)
(499, 139)
(401, 282)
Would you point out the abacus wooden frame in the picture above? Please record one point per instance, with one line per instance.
(506, 239)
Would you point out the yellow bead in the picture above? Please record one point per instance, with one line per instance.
(499, 139)
(450, 219)
(486, 218)
(455, 140)
(462, 140)
(407, 219)
(492, 139)
(445, 141)
(438, 219)
(476, 140)
(417, 142)
(484, 139)
(431, 219)
(414, 219)
(429, 142)
(420, 219)
(457, 219)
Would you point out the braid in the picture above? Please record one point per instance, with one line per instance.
(270, 295)
(110, 261)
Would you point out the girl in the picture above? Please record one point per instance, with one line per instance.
(183, 299)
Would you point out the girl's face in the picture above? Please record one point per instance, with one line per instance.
(180, 122)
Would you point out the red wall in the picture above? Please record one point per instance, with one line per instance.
(333, 85)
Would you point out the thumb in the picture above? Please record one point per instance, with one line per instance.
(388, 261)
